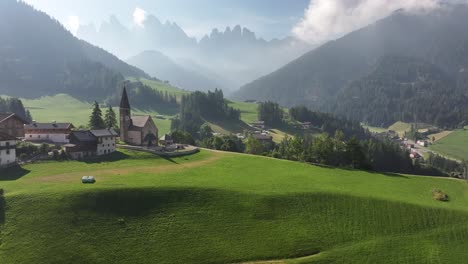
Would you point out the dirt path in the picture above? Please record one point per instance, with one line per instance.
(73, 176)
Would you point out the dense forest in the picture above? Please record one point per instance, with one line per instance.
(40, 57)
(328, 122)
(405, 89)
(144, 97)
(198, 106)
(14, 105)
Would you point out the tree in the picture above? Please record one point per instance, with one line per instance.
(205, 131)
(110, 119)
(253, 146)
(355, 154)
(182, 137)
(95, 120)
(271, 113)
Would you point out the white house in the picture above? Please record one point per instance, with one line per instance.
(105, 141)
(48, 132)
(7, 150)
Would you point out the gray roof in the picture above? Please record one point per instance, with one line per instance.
(140, 121)
(50, 126)
(104, 133)
(83, 136)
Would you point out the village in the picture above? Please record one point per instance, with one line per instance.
(136, 132)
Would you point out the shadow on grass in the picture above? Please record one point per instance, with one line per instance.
(13, 173)
(169, 159)
(114, 157)
(2, 207)
(388, 174)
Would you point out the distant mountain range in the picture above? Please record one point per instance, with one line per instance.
(233, 57)
(344, 74)
(39, 57)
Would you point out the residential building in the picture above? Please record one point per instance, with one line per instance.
(258, 124)
(48, 132)
(136, 130)
(166, 140)
(11, 124)
(106, 140)
(7, 150)
(84, 144)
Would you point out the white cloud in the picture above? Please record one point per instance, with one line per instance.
(330, 19)
(139, 16)
(73, 24)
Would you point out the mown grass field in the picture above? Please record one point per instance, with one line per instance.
(454, 145)
(226, 208)
(65, 108)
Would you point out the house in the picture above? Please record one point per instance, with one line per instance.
(265, 139)
(422, 143)
(11, 124)
(305, 125)
(48, 132)
(166, 140)
(84, 144)
(136, 130)
(258, 124)
(7, 150)
(415, 155)
(106, 139)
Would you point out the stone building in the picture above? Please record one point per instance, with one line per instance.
(136, 130)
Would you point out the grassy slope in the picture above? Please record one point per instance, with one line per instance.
(453, 145)
(225, 208)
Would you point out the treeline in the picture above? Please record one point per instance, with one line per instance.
(271, 113)
(144, 97)
(14, 105)
(337, 151)
(447, 166)
(198, 106)
(328, 123)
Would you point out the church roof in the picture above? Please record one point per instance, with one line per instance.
(140, 121)
(124, 103)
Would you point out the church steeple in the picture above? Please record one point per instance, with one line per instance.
(125, 116)
(124, 103)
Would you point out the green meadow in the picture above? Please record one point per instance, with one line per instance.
(215, 207)
(454, 145)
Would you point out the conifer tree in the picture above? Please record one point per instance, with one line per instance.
(110, 119)
(95, 120)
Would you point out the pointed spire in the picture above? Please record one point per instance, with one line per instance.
(124, 102)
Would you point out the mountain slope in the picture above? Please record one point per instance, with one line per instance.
(39, 57)
(439, 37)
(158, 64)
(404, 89)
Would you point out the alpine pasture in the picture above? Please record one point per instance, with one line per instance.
(217, 207)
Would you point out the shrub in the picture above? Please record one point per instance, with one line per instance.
(439, 195)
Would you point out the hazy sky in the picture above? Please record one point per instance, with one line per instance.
(268, 18)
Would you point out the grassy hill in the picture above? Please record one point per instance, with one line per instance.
(222, 208)
(453, 145)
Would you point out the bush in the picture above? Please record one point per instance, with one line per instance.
(439, 195)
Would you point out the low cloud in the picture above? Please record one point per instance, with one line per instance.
(73, 24)
(139, 17)
(326, 20)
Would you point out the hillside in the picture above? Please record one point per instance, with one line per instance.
(454, 145)
(158, 64)
(316, 78)
(39, 57)
(220, 208)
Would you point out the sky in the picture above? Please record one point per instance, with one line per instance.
(314, 21)
(268, 18)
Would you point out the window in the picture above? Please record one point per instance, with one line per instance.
(8, 152)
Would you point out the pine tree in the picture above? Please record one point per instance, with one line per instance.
(110, 119)
(95, 120)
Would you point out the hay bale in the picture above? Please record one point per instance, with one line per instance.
(439, 195)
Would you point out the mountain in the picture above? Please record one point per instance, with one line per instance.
(315, 79)
(232, 57)
(157, 64)
(404, 89)
(38, 57)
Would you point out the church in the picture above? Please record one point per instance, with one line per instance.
(136, 130)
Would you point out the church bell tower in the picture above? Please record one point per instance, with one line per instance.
(125, 116)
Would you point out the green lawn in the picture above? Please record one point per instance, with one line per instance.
(65, 108)
(454, 145)
(226, 208)
(248, 111)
